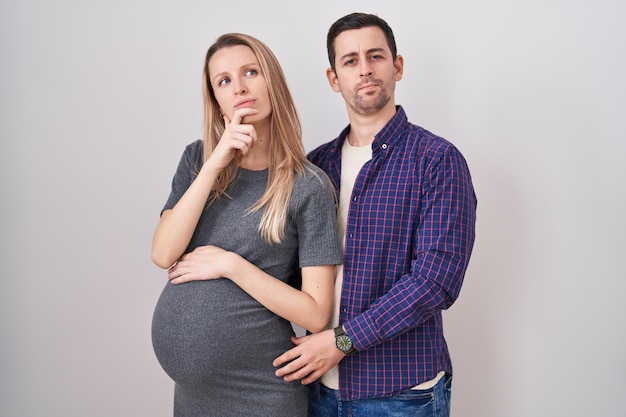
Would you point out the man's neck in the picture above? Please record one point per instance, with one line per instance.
(364, 127)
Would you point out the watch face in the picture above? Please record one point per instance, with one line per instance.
(344, 343)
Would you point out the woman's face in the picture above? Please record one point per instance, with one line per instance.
(238, 82)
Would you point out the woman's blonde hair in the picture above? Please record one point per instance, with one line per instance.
(287, 156)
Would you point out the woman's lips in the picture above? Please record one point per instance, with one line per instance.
(246, 103)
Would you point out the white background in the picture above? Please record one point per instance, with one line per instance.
(98, 100)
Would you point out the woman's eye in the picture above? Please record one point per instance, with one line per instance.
(251, 72)
(223, 81)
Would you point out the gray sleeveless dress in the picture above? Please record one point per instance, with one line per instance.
(215, 341)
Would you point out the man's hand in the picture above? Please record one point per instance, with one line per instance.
(313, 356)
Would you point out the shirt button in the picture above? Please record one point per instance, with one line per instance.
(354, 199)
(384, 146)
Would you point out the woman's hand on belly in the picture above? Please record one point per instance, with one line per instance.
(203, 263)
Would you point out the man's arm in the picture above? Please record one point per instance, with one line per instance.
(444, 241)
(442, 247)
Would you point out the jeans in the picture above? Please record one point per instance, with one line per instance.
(432, 402)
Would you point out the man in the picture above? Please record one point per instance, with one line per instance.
(406, 218)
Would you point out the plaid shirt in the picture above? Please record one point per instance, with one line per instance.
(409, 237)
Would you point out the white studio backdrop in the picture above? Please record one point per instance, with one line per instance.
(98, 100)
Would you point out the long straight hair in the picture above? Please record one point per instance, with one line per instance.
(286, 154)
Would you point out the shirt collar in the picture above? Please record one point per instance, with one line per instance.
(387, 136)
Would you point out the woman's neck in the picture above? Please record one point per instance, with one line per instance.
(258, 157)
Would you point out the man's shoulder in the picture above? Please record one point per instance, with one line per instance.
(428, 142)
(321, 152)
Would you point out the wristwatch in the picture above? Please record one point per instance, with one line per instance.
(343, 342)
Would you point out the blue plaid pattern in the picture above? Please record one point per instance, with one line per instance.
(409, 237)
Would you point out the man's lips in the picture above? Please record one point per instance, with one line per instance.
(368, 86)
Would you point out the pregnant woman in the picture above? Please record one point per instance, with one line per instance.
(246, 213)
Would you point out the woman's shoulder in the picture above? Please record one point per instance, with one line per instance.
(312, 182)
(192, 153)
(314, 170)
(313, 175)
(194, 148)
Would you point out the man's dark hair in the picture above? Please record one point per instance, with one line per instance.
(357, 21)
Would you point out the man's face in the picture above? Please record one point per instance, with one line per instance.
(365, 72)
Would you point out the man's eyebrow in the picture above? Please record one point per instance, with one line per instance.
(369, 51)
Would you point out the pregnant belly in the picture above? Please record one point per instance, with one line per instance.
(209, 330)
